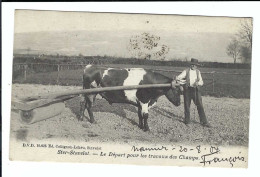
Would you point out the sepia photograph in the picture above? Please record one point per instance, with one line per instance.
(122, 88)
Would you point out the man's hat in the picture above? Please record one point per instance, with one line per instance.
(194, 61)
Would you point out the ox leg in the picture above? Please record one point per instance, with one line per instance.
(141, 125)
(89, 103)
(84, 98)
(146, 127)
(145, 116)
(89, 99)
(82, 107)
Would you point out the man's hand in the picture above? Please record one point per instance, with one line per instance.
(197, 85)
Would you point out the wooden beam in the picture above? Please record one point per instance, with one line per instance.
(93, 91)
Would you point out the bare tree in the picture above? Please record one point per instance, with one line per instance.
(233, 49)
(246, 35)
(240, 46)
(146, 46)
(246, 32)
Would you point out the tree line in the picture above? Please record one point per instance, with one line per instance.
(102, 60)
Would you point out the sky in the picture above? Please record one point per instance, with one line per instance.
(35, 21)
(186, 36)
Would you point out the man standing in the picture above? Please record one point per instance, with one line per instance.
(192, 81)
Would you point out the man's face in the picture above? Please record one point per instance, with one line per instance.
(193, 67)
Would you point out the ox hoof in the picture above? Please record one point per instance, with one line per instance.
(81, 118)
(188, 125)
(85, 125)
(146, 129)
(92, 121)
(187, 122)
(207, 125)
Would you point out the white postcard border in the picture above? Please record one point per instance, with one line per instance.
(239, 9)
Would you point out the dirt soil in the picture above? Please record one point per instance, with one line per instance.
(119, 122)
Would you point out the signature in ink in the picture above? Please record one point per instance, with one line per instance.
(210, 158)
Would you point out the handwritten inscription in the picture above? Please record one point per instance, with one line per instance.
(204, 155)
(142, 149)
(210, 158)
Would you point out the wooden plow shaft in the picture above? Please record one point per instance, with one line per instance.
(32, 102)
(36, 108)
(93, 91)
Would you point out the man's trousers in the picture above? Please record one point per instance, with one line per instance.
(194, 94)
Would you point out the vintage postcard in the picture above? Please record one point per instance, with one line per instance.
(140, 89)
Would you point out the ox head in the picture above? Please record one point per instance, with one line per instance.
(174, 94)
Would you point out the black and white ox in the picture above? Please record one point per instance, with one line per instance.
(143, 99)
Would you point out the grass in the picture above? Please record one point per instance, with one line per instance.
(226, 84)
